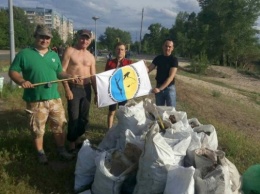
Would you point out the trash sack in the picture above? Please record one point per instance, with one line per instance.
(216, 173)
(189, 159)
(152, 171)
(112, 169)
(85, 167)
(194, 122)
(180, 180)
(129, 183)
(179, 142)
(212, 183)
(110, 139)
(86, 192)
(208, 136)
(133, 139)
(251, 180)
(132, 118)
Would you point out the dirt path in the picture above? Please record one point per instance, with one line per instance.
(198, 94)
(233, 79)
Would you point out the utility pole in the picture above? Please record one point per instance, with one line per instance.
(95, 18)
(141, 31)
(11, 30)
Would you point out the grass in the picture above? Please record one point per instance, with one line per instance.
(19, 169)
(216, 93)
(4, 65)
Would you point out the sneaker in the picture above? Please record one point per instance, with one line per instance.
(65, 155)
(43, 159)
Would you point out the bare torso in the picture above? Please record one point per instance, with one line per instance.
(79, 62)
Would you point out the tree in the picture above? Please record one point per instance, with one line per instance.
(56, 39)
(230, 28)
(112, 36)
(152, 41)
(4, 35)
(23, 29)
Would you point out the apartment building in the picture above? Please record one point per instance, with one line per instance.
(52, 19)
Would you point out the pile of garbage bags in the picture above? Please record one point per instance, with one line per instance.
(155, 150)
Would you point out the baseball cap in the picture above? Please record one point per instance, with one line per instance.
(85, 32)
(42, 30)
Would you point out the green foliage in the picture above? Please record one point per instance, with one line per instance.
(56, 40)
(231, 29)
(153, 41)
(199, 64)
(216, 93)
(4, 35)
(69, 40)
(112, 36)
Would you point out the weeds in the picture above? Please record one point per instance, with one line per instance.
(216, 93)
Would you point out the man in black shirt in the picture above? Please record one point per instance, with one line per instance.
(167, 65)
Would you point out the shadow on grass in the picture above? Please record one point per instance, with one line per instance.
(13, 119)
(19, 159)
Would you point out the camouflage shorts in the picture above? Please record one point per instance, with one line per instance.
(43, 111)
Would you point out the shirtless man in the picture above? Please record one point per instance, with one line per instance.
(78, 61)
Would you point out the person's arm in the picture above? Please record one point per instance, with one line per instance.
(172, 74)
(65, 64)
(151, 67)
(19, 80)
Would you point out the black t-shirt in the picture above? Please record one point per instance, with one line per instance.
(164, 64)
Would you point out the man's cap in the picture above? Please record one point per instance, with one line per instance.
(85, 32)
(42, 30)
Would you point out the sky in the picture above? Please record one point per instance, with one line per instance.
(120, 14)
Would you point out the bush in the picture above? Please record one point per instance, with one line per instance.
(199, 64)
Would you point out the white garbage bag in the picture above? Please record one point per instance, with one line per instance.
(85, 167)
(152, 172)
(180, 180)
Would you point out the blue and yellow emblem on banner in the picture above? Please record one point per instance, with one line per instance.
(124, 84)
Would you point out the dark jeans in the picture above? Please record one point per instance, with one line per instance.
(78, 111)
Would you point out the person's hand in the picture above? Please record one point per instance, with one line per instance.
(77, 79)
(69, 95)
(26, 84)
(156, 90)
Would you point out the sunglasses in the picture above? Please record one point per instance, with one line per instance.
(44, 37)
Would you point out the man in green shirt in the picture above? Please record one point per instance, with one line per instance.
(41, 64)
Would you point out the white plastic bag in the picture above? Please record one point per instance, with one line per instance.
(85, 166)
(180, 180)
(104, 181)
(152, 172)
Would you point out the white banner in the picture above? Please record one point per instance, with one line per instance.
(122, 84)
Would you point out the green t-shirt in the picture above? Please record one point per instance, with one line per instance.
(36, 69)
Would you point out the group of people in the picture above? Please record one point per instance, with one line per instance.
(40, 64)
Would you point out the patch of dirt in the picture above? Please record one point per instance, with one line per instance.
(235, 79)
(198, 94)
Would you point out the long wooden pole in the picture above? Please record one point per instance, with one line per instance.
(56, 81)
